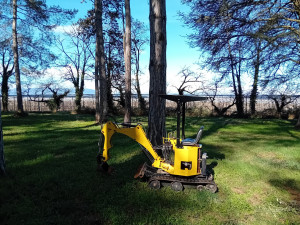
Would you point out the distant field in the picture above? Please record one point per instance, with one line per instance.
(52, 177)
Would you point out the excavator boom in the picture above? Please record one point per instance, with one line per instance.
(136, 133)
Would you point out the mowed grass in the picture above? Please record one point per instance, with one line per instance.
(52, 176)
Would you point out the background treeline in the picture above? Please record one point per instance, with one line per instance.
(239, 42)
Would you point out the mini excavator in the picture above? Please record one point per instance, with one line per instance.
(178, 162)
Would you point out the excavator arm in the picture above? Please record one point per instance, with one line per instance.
(136, 133)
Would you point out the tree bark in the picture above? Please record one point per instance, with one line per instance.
(127, 57)
(4, 91)
(16, 59)
(157, 70)
(100, 75)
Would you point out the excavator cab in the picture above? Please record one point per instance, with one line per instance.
(178, 162)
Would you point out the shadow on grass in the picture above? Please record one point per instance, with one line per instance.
(68, 190)
(215, 152)
(291, 187)
(54, 179)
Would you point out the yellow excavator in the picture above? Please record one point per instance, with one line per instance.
(178, 162)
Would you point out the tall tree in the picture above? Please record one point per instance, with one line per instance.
(16, 59)
(32, 15)
(157, 70)
(100, 74)
(114, 50)
(127, 57)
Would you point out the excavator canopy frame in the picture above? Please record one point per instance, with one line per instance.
(181, 101)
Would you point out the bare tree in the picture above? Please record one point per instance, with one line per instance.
(139, 39)
(281, 101)
(55, 101)
(157, 69)
(188, 84)
(77, 61)
(127, 57)
(283, 94)
(7, 70)
(33, 16)
(212, 93)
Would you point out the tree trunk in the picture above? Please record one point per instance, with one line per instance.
(237, 87)
(4, 91)
(101, 112)
(16, 59)
(97, 98)
(122, 97)
(298, 123)
(5, 76)
(141, 100)
(2, 160)
(253, 95)
(240, 100)
(240, 97)
(97, 60)
(157, 70)
(110, 100)
(78, 97)
(127, 57)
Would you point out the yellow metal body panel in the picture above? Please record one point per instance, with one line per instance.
(188, 154)
(185, 154)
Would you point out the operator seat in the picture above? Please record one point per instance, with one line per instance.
(191, 141)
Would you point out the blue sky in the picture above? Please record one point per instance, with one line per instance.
(179, 54)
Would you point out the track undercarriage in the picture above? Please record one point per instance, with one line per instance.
(157, 178)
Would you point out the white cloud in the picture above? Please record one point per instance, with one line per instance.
(64, 29)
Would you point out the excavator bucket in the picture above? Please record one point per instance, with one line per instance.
(141, 171)
(103, 167)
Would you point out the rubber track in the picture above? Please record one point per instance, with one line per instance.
(183, 180)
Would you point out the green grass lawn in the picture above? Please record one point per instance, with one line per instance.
(52, 176)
